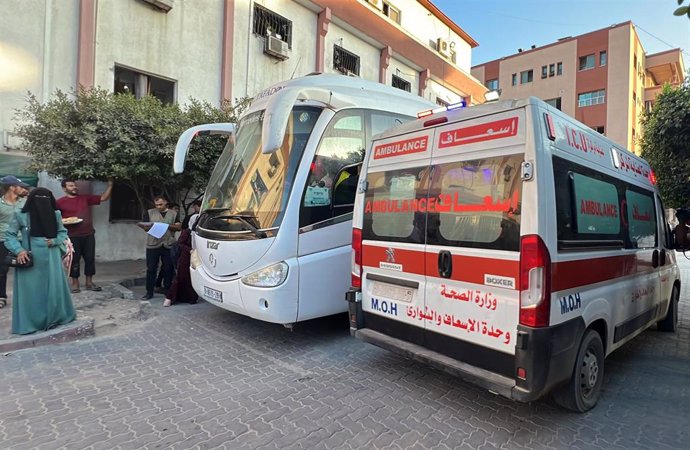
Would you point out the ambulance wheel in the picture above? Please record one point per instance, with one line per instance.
(670, 322)
(584, 388)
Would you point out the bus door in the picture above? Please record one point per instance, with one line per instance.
(325, 222)
(473, 241)
(394, 237)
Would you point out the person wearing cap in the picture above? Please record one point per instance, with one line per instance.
(15, 191)
(82, 233)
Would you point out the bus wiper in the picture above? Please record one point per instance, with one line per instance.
(243, 218)
(216, 209)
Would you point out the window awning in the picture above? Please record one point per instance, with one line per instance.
(17, 165)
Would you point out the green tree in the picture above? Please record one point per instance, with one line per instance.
(666, 143)
(682, 10)
(93, 134)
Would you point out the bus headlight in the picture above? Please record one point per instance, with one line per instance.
(270, 276)
(194, 259)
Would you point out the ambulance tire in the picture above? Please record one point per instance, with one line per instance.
(584, 388)
(670, 322)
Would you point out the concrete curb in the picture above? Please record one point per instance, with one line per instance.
(120, 291)
(131, 282)
(79, 329)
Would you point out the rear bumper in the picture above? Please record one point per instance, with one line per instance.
(546, 354)
(484, 378)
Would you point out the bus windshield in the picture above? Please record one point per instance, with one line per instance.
(248, 190)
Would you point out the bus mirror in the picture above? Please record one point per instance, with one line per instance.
(185, 139)
(278, 111)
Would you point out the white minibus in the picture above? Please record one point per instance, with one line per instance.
(514, 246)
(273, 237)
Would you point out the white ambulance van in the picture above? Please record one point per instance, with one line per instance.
(511, 245)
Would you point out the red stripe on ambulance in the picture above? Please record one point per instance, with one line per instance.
(583, 272)
(471, 269)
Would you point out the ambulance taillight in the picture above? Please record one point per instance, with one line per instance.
(356, 258)
(535, 282)
(652, 177)
(550, 129)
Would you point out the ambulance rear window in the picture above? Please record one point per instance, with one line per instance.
(392, 205)
(464, 204)
(478, 203)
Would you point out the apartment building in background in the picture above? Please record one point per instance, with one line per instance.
(603, 78)
(214, 50)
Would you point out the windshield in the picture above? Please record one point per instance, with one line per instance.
(249, 190)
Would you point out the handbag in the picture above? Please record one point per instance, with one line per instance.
(11, 259)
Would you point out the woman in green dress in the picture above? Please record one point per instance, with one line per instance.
(41, 297)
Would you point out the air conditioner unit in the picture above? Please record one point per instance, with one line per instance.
(443, 47)
(276, 47)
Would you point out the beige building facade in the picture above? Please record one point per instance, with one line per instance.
(603, 78)
(213, 50)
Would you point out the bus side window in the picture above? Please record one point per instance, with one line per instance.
(342, 144)
(345, 189)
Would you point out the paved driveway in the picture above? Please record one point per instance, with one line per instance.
(199, 377)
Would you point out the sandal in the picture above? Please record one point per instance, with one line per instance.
(94, 287)
(167, 302)
(3, 302)
(76, 291)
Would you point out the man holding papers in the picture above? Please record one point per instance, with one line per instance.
(160, 223)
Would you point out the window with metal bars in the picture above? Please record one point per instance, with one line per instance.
(401, 83)
(344, 61)
(266, 22)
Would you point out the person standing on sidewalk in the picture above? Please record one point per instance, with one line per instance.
(14, 193)
(158, 249)
(41, 297)
(82, 233)
(188, 222)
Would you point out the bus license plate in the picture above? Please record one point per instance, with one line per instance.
(213, 294)
(392, 292)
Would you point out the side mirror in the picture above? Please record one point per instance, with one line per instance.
(681, 237)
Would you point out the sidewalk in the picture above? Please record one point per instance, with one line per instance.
(94, 309)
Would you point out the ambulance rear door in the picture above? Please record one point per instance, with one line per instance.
(393, 235)
(473, 240)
